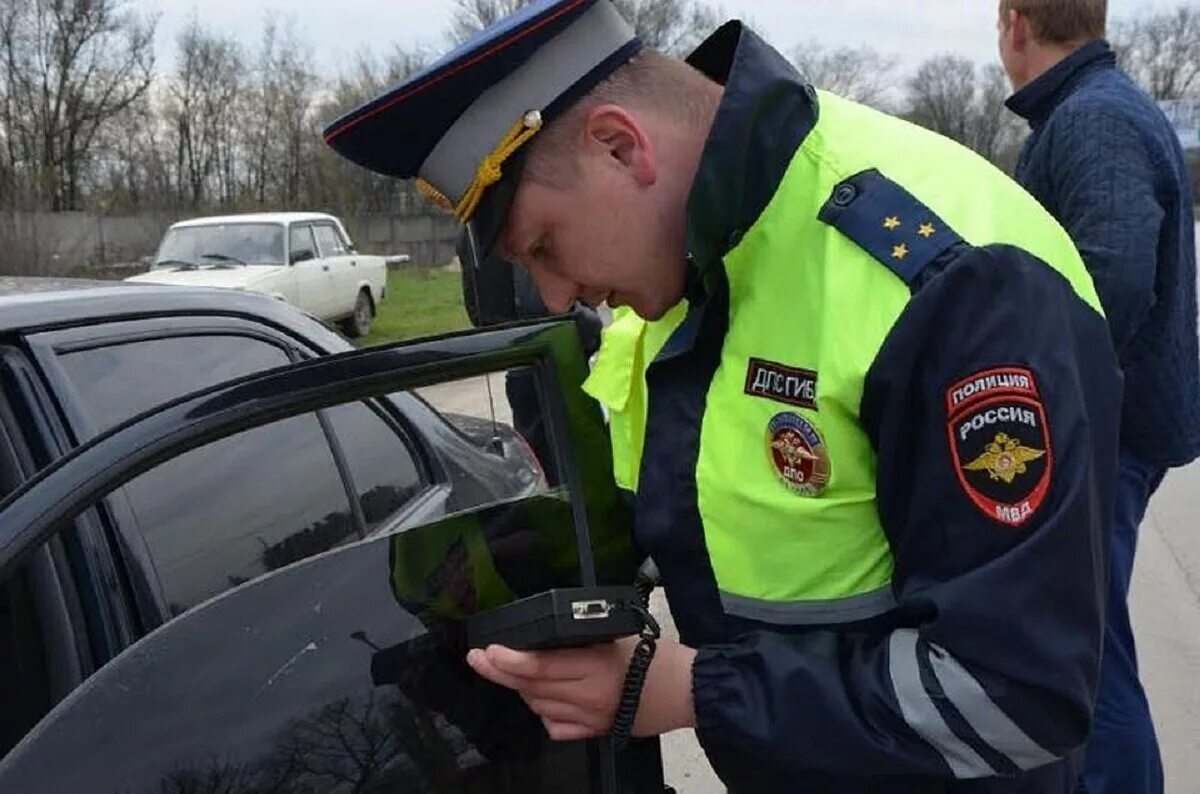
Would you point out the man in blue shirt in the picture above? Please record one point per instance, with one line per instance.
(1103, 159)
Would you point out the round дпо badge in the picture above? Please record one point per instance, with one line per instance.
(798, 453)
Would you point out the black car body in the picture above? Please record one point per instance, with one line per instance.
(235, 553)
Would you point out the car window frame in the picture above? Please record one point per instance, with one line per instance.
(149, 603)
(86, 560)
(65, 634)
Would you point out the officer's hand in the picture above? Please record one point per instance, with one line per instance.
(575, 691)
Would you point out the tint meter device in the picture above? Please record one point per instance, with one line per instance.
(563, 618)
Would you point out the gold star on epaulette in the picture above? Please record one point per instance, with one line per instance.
(926, 230)
(891, 223)
(899, 251)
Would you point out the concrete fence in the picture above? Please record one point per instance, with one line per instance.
(43, 243)
(427, 239)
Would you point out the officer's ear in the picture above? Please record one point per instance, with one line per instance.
(613, 132)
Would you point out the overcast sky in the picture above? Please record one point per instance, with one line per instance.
(337, 29)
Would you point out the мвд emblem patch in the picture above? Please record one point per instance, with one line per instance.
(798, 453)
(1000, 442)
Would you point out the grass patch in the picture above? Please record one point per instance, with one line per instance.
(420, 302)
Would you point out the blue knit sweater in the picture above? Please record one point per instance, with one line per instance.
(1103, 159)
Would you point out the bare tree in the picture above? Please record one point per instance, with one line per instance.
(858, 73)
(258, 134)
(943, 94)
(200, 106)
(8, 171)
(472, 16)
(216, 777)
(673, 26)
(69, 66)
(134, 167)
(335, 182)
(291, 86)
(1162, 51)
(994, 131)
(344, 746)
(950, 96)
(12, 168)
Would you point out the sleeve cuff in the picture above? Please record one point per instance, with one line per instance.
(717, 700)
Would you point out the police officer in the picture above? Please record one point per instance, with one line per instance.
(867, 380)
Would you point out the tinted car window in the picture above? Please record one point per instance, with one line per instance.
(328, 240)
(120, 381)
(235, 509)
(240, 507)
(381, 464)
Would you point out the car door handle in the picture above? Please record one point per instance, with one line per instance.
(325, 268)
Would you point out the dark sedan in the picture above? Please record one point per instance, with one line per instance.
(235, 553)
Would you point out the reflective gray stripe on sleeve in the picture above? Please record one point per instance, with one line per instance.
(811, 613)
(985, 717)
(922, 715)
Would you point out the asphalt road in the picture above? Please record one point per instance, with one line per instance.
(481, 398)
(1166, 619)
(1165, 600)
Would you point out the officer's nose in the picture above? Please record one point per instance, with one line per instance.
(558, 294)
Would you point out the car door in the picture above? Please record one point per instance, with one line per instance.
(342, 267)
(312, 276)
(107, 373)
(337, 667)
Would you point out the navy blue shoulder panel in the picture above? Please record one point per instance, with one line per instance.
(765, 114)
(889, 223)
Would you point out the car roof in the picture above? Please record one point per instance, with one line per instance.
(35, 304)
(255, 217)
(24, 285)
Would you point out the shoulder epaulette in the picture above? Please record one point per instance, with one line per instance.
(889, 223)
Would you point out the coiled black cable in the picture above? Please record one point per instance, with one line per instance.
(635, 676)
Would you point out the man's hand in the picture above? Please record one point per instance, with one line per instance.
(575, 691)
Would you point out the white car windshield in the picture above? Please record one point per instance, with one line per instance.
(222, 245)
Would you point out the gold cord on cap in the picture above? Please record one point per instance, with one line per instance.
(489, 171)
(434, 195)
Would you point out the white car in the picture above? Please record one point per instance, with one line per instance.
(304, 258)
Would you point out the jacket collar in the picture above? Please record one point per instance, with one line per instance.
(1036, 101)
(765, 113)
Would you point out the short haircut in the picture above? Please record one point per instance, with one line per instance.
(1061, 21)
(650, 81)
